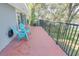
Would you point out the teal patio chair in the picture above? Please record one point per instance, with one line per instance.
(22, 32)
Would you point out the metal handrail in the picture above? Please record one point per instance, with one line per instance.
(66, 35)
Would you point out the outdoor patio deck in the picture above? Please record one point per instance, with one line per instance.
(41, 45)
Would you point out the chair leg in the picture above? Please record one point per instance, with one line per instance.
(27, 37)
(19, 39)
(28, 44)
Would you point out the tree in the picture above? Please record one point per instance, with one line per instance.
(57, 12)
(73, 9)
(31, 13)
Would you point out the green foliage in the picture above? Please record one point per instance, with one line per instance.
(58, 12)
(32, 16)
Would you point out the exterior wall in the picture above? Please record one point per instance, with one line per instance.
(21, 6)
(21, 18)
(7, 18)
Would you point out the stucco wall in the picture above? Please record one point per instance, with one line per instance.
(7, 18)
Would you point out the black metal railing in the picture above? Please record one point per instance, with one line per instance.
(66, 36)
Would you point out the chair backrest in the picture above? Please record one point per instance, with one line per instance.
(23, 31)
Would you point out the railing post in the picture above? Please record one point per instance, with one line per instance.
(58, 33)
(75, 46)
(49, 28)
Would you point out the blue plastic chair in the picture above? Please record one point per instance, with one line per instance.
(23, 33)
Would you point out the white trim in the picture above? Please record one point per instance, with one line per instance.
(19, 9)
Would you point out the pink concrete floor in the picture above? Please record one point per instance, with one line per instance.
(41, 44)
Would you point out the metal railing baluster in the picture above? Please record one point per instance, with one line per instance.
(73, 39)
(69, 39)
(74, 45)
(58, 33)
(64, 35)
(65, 32)
(77, 51)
